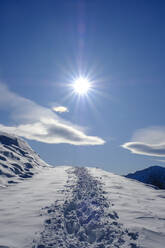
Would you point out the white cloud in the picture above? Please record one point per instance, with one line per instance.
(150, 135)
(39, 123)
(60, 109)
(148, 141)
(145, 149)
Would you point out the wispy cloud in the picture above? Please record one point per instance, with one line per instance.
(60, 109)
(148, 141)
(36, 122)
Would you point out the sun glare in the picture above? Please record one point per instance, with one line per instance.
(81, 85)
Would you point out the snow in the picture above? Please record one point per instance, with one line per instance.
(139, 207)
(66, 207)
(85, 219)
(81, 207)
(17, 160)
(21, 204)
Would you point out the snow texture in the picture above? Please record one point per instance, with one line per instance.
(21, 204)
(139, 207)
(66, 207)
(17, 160)
(85, 220)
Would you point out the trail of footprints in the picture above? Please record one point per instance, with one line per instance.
(85, 220)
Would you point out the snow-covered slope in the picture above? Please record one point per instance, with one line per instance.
(17, 160)
(66, 207)
(81, 207)
(139, 207)
(154, 175)
(85, 218)
(21, 218)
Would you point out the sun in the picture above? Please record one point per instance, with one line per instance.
(81, 85)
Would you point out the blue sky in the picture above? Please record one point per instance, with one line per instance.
(44, 44)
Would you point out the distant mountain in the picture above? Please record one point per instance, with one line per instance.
(154, 175)
(17, 160)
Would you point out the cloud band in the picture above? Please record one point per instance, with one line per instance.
(39, 123)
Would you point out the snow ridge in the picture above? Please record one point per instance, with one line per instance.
(17, 160)
(84, 219)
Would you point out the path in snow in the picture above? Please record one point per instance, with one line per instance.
(84, 219)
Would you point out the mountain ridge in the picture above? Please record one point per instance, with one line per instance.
(153, 175)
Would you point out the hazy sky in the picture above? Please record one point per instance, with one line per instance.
(120, 46)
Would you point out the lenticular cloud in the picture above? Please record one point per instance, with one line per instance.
(145, 149)
(36, 122)
(148, 141)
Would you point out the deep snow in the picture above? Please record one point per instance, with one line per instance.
(81, 207)
(86, 219)
(21, 204)
(66, 207)
(139, 206)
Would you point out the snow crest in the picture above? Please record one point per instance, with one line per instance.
(17, 160)
(85, 218)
